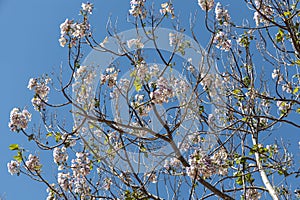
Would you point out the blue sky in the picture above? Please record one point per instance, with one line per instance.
(29, 47)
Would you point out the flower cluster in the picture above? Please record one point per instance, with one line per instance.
(252, 194)
(206, 5)
(110, 77)
(202, 164)
(138, 104)
(51, 193)
(264, 7)
(222, 42)
(277, 75)
(151, 177)
(33, 163)
(167, 8)
(222, 15)
(87, 7)
(107, 183)
(63, 179)
(81, 165)
(137, 8)
(60, 155)
(137, 42)
(41, 89)
(75, 30)
(83, 86)
(81, 168)
(283, 106)
(162, 92)
(72, 29)
(19, 119)
(13, 167)
(173, 39)
(172, 164)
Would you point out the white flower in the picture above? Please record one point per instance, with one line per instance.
(63, 180)
(206, 5)
(222, 14)
(62, 41)
(252, 194)
(87, 7)
(137, 8)
(59, 155)
(13, 167)
(173, 39)
(33, 163)
(32, 83)
(152, 177)
(276, 74)
(222, 42)
(256, 18)
(136, 42)
(19, 120)
(107, 184)
(65, 27)
(167, 8)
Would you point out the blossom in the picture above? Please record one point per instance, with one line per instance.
(137, 8)
(62, 41)
(13, 167)
(19, 119)
(79, 30)
(167, 8)
(151, 177)
(107, 184)
(173, 39)
(81, 165)
(63, 180)
(264, 7)
(87, 7)
(60, 155)
(41, 92)
(283, 106)
(50, 192)
(287, 88)
(222, 42)
(162, 92)
(252, 194)
(33, 163)
(200, 164)
(32, 83)
(206, 5)
(74, 30)
(222, 14)
(136, 42)
(65, 27)
(276, 74)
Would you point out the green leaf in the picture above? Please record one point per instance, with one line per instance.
(18, 157)
(287, 13)
(49, 134)
(236, 91)
(14, 147)
(246, 81)
(57, 137)
(279, 35)
(295, 90)
(137, 84)
(239, 181)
